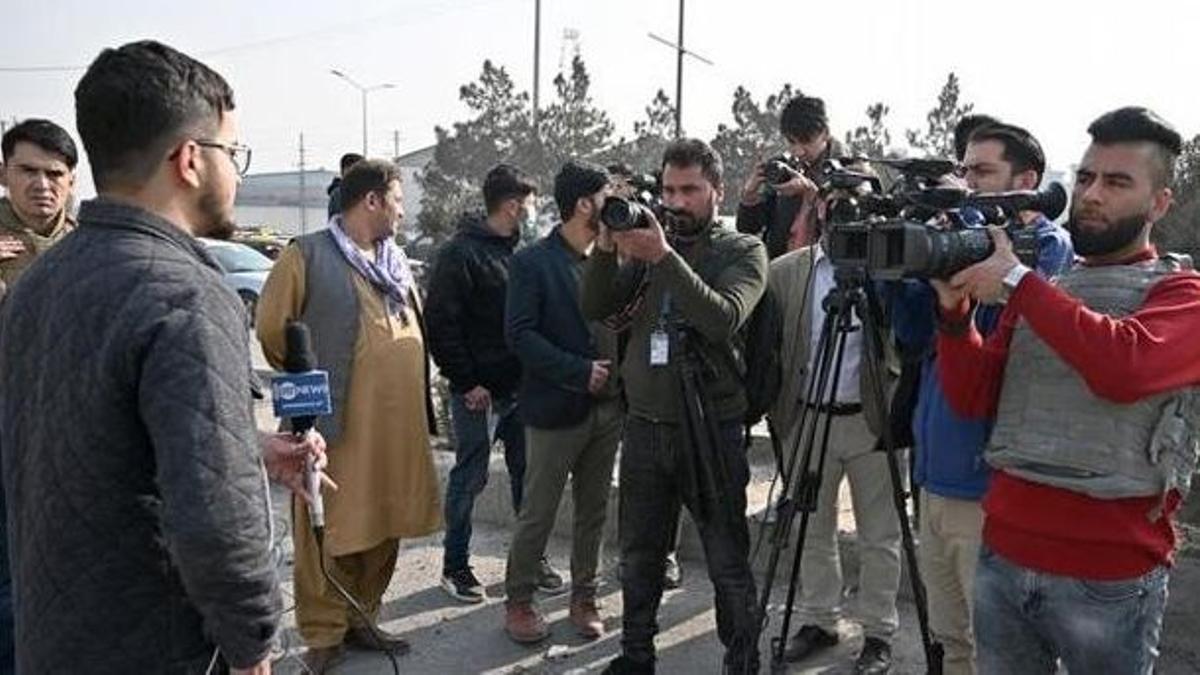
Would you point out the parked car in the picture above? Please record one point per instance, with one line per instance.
(245, 270)
(267, 242)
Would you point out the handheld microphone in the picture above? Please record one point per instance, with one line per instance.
(300, 395)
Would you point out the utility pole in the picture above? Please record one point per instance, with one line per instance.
(363, 91)
(396, 144)
(303, 211)
(679, 78)
(537, 61)
(679, 54)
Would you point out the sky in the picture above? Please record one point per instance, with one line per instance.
(1049, 66)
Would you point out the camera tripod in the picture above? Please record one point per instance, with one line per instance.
(706, 475)
(853, 294)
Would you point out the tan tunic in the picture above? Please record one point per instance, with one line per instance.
(383, 463)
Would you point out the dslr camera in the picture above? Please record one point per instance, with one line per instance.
(780, 169)
(620, 214)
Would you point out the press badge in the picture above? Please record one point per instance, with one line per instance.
(660, 348)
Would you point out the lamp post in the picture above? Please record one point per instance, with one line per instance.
(363, 91)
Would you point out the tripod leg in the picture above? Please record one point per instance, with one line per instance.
(868, 310)
(795, 472)
(831, 357)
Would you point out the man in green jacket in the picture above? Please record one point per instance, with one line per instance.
(38, 175)
(702, 282)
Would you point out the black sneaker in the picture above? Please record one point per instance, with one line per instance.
(875, 658)
(673, 576)
(549, 581)
(463, 586)
(807, 641)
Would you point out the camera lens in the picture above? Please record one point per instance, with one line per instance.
(950, 252)
(620, 214)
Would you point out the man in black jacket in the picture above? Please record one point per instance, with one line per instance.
(568, 400)
(465, 311)
(784, 214)
(138, 511)
(335, 186)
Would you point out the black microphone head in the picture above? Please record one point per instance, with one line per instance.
(1052, 201)
(299, 357)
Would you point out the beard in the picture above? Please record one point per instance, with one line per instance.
(1116, 234)
(686, 223)
(216, 220)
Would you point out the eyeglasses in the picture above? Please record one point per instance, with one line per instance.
(238, 154)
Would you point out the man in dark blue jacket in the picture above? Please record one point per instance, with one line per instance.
(949, 462)
(465, 313)
(569, 403)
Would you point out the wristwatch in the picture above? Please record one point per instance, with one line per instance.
(1012, 279)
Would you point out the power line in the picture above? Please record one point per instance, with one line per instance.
(40, 69)
(439, 10)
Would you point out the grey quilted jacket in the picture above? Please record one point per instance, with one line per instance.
(137, 504)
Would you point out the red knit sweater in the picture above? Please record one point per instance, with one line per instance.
(1154, 349)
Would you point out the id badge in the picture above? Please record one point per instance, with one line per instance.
(660, 348)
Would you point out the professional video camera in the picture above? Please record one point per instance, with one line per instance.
(920, 228)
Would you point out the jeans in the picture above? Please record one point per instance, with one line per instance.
(470, 472)
(653, 458)
(1025, 619)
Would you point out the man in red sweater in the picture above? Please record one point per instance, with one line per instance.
(1094, 384)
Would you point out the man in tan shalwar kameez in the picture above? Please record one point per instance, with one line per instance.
(351, 285)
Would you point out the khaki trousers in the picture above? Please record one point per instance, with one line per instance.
(583, 453)
(951, 534)
(322, 615)
(851, 456)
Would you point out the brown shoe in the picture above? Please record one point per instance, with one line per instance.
(318, 660)
(523, 623)
(361, 637)
(585, 615)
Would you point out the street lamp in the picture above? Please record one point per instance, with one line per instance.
(363, 91)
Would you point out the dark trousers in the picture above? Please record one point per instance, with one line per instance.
(7, 665)
(653, 458)
(583, 456)
(470, 472)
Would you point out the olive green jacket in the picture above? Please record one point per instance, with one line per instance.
(713, 286)
(35, 244)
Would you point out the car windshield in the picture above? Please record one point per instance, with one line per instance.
(240, 258)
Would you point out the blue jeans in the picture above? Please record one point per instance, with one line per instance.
(1025, 620)
(470, 472)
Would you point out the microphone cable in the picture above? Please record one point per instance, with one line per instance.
(319, 535)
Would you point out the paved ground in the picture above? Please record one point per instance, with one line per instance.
(450, 638)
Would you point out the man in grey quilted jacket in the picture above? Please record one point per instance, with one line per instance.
(137, 498)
